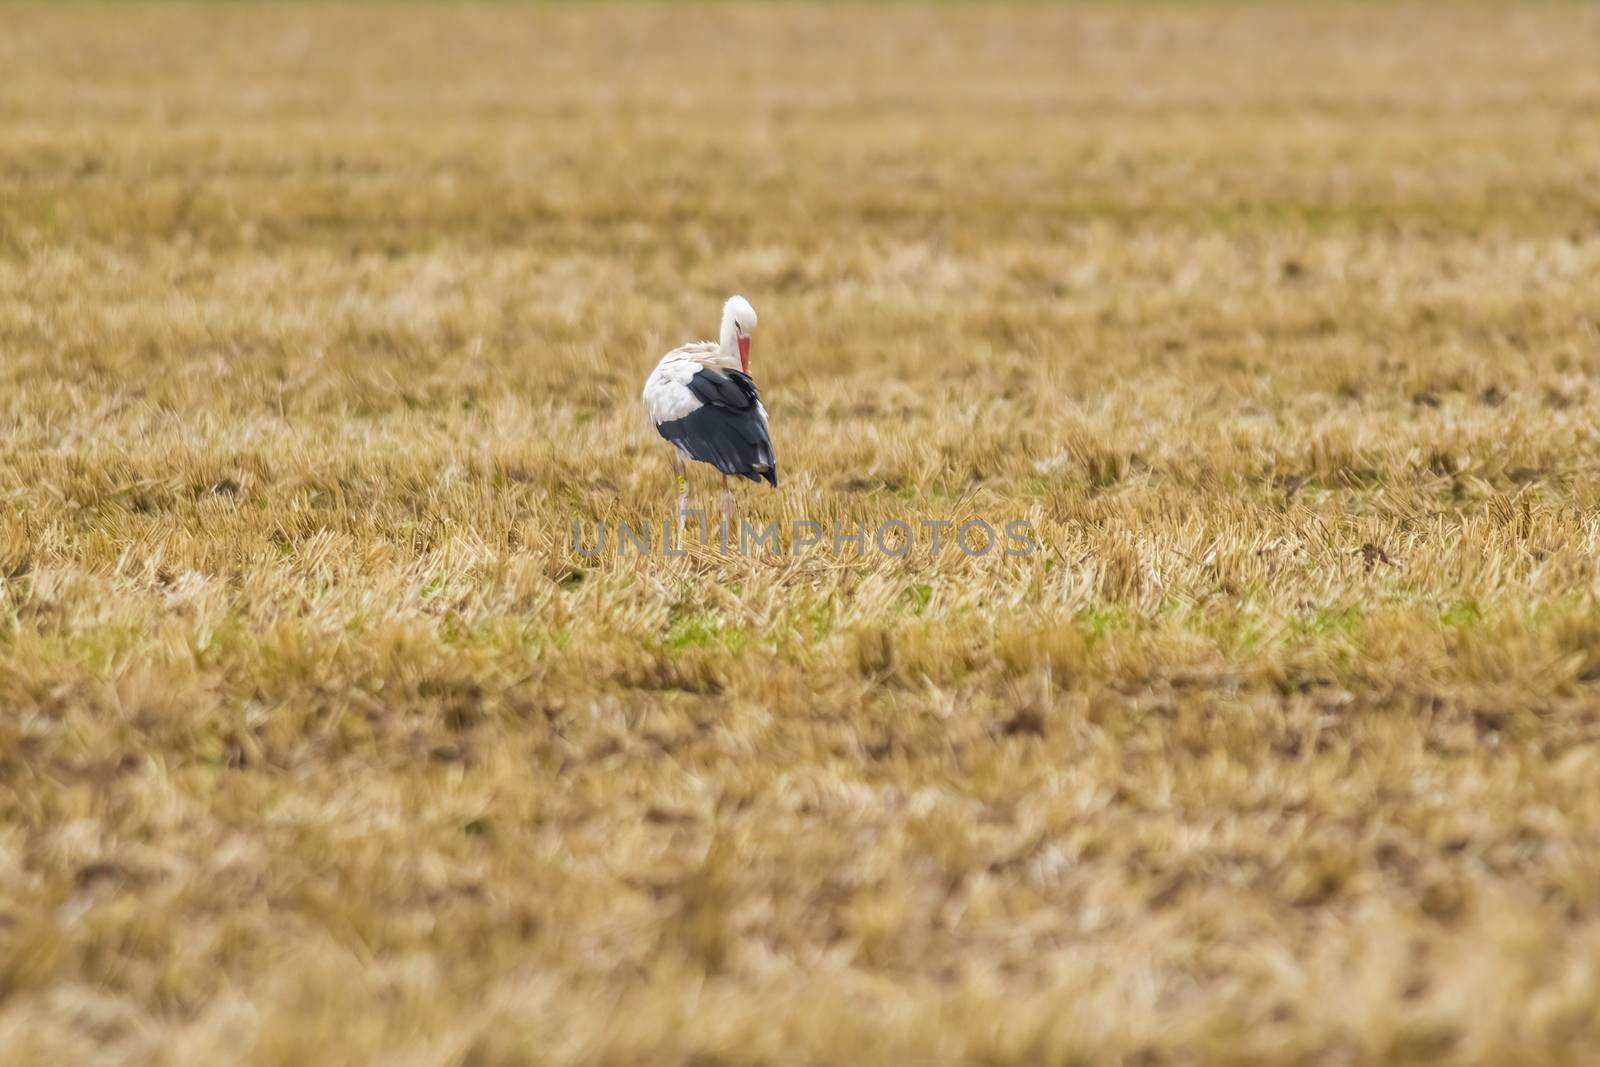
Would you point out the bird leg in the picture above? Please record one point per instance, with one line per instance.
(727, 501)
(680, 468)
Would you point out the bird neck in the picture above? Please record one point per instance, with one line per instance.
(726, 357)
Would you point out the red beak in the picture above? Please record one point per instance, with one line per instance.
(744, 354)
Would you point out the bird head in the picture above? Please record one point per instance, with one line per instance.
(738, 326)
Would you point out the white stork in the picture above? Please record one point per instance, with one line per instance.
(702, 400)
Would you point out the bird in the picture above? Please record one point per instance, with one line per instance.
(702, 400)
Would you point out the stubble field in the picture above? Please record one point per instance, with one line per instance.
(320, 325)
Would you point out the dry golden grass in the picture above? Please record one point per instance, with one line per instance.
(320, 745)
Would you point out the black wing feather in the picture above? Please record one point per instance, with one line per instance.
(727, 430)
(727, 389)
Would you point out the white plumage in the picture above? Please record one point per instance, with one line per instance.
(666, 391)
